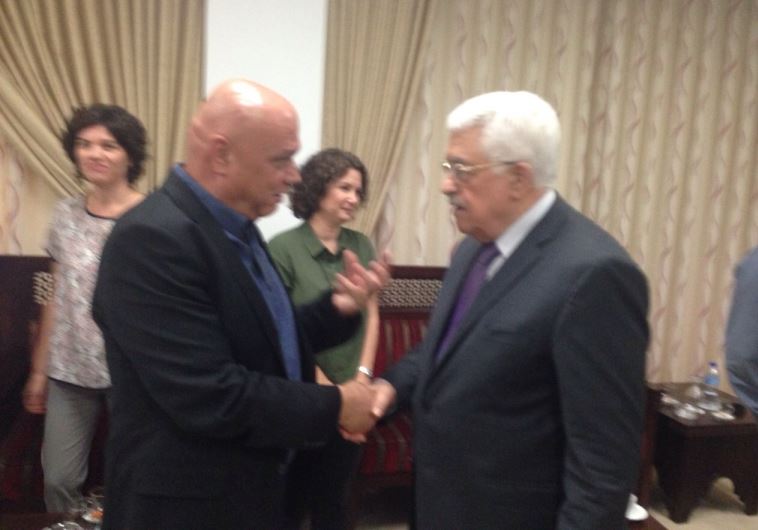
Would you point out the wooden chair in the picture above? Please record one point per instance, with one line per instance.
(25, 286)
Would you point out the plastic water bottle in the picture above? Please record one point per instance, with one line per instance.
(711, 380)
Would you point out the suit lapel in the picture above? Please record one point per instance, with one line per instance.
(448, 295)
(515, 269)
(188, 202)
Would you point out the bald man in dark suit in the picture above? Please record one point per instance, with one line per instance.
(212, 368)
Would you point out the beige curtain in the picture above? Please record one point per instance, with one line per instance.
(10, 198)
(145, 55)
(373, 70)
(658, 101)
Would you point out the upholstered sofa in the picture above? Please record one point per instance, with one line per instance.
(25, 285)
(404, 308)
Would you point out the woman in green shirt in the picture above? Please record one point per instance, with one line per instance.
(334, 185)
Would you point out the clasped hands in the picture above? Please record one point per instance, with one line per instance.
(362, 406)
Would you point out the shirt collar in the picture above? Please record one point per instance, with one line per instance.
(231, 221)
(509, 240)
(314, 246)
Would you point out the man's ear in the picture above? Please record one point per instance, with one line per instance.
(522, 178)
(220, 154)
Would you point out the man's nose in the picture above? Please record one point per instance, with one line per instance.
(293, 175)
(448, 184)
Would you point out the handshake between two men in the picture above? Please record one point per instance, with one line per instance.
(362, 404)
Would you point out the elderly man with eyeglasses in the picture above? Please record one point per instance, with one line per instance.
(528, 389)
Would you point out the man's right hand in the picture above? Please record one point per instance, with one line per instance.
(356, 416)
(35, 394)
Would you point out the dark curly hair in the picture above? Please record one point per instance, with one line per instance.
(125, 128)
(317, 173)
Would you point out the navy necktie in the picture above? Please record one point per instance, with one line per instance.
(278, 302)
(466, 296)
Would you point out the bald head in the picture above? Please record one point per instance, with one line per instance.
(240, 146)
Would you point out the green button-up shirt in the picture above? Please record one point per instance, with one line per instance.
(308, 269)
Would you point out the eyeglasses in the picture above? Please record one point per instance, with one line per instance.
(462, 172)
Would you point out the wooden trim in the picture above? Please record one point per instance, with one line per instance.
(418, 272)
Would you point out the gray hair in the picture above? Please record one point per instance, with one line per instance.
(515, 126)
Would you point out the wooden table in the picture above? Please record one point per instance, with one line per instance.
(691, 453)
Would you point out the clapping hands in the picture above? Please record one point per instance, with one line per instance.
(354, 286)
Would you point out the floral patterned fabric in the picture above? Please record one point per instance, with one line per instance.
(75, 242)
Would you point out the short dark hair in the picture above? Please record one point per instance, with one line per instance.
(318, 171)
(125, 128)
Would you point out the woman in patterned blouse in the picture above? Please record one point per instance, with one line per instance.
(69, 378)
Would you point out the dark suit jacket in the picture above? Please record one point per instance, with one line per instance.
(742, 333)
(532, 418)
(202, 412)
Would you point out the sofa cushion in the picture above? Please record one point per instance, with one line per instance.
(404, 307)
(388, 448)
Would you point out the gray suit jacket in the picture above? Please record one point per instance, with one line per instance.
(532, 419)
(742, 333)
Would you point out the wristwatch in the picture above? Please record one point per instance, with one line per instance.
(365, 370)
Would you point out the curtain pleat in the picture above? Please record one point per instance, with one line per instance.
(368, 105)
(657, 101)
(145, 55)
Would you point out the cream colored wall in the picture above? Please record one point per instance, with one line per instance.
(36, 207)
(291, 34)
